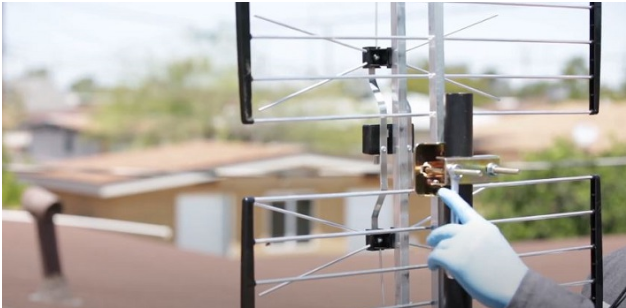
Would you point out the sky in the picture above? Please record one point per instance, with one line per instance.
(118, 42)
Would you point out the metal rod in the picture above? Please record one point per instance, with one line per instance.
(307, 32)
(322, 77)
(317, 269)
(376, 23)
(541, 217)
(469, 26)
(393, 37)
(336, 118)
(473, 89)
(533, 182)
(403, 158)
(577, 283)
(332, 195)
(382, 276)
(342, 274)
(436, 89)
(477, 191)
(307, 217)
(412, 305)
(543, 165)
(455, 31)
(421, 222)
(383, 135)
(334, 38)
(270, 240)
(309, 88)
(556, 6)
(504, 40)
(418, 245)
(499, 76)
(553, 251)
(531, 112)
(458, 84)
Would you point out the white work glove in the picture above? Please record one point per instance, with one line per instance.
(476, 254)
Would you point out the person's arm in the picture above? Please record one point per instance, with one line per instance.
(538, 291)
(478, 256)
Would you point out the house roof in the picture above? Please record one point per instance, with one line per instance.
(117, 174)
(76, 119)
(172, 158)
(113, 270)
(510, 136)
(136, 171)
(322, 164)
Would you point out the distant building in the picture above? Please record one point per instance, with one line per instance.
(56, 135)
(196, 188)
(54, 125)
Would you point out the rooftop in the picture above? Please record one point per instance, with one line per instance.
(182, 164)
(113, 270)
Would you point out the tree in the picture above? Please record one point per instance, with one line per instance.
(561, 197)
(11, 188)
(181, 101)
(190, 99)
(576, 88)
(13, 110)
(86, 88)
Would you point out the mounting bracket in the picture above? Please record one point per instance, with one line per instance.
(432, 169)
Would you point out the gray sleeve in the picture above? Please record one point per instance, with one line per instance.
(614, 266)
(536, 291)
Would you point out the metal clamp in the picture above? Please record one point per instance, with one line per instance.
(433, 170)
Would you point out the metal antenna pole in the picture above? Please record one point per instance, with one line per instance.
(403, 160)
(458, 135)
(436, 88)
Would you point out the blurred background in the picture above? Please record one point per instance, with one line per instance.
(129, 114)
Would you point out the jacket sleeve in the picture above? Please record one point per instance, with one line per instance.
(536, 291)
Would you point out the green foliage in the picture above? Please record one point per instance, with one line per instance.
(11, 187)
(13, 109)
(179, 102)
(535, 90)
(189, 99)
(566, 160)
(576, 89)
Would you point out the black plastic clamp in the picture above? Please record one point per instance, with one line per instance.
(371, 141)
(376, 57)
(380, 241)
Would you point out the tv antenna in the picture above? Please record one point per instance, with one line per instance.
(445, 160)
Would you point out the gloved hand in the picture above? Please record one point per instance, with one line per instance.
(476, 254)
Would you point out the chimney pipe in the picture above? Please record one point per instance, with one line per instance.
(43, 205)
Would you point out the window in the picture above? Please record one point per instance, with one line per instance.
(289, 225)
(69, 142)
